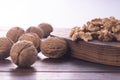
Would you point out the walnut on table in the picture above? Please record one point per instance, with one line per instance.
(23, 53)
(5, 46)
(47, 29)
(14, 33)
(54, 47)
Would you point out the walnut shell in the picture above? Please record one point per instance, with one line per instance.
(54, 47)
(5, 46)
(14, 33)
(36, 30)
(33, 37)
(23, 53)
(47, 29)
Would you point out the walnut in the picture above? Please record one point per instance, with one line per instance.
(97, 22)
(54, 47)
(85, 28)
(87, 36)
(74, 30)
(5, 46)
(105, 35)
(113, 19)
(23, 53)
(47, 29)
(75, 36)
(101, 29)
(116, 28)
(36, 30)
(107, 24)
(93, 28)
(117, 36)
(33, 37)
(90, 27)
(14, 33)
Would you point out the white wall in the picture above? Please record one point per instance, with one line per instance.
(59, 13)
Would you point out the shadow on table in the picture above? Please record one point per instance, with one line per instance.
(90, 66)
(5, 62)
(61, 60)
(23, 74)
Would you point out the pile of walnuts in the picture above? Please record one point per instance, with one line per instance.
(103, 29)
(23, 46)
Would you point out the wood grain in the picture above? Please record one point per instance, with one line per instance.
(95, 51)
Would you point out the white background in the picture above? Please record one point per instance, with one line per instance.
(59, 13)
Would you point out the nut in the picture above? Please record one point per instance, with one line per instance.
(116, 28)
(87, 36)
(5, 46)
(97, 22)
(77, 33)
(107, 23)
(33, 37)
(23, 53)
(117, 36)
(47, 29)
(14, 33)
(106, 29)
(105, 35)
(54, 47)
(75, 36)
(36, 30)
(74, 30)
(93, 28)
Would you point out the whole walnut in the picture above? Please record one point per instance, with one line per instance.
(33, 37)
(47, 29)
(14, 33)
(54, 47)
(23, 53)
(5, 46)
(36, 30)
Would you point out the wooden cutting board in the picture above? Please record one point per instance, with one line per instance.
(96, 51)
(107, 53)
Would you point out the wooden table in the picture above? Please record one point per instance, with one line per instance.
(66, 68)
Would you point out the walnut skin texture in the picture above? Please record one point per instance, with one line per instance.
(14, 33)
(38, 31)
(54, 47)
(5, 46)
(23, 53)
(47, 29)
(33, 37)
